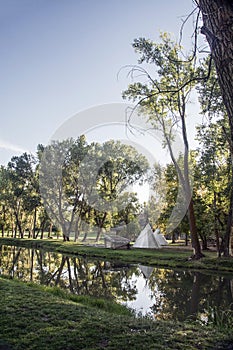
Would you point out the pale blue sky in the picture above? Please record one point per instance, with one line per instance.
(58, 57)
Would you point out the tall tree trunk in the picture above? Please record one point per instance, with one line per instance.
(228, 234)
(100, 226)
(197, 254)
(2, 230)
(218, 28)
(76, 230)
(98, 234)
(34, 223)
(185, 182)
(66, 238)
(4, 220)
(216, 226)
(18, 224)
(50, 230)
(186, 239)
(173, 237)
(85, 236)
(42, 233)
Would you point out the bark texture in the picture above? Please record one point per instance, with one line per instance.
(217, 18)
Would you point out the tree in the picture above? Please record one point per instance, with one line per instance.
(5, 208)
(126, 219)
(163, 99)
(111, 168)
(60, 183)
(217, 26)
(161, 205)
(83, 182)
(22, 193)
(215, 161)
(214, 179)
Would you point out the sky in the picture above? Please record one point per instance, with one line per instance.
(61, 57)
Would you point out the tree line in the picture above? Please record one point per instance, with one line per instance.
(71, 186)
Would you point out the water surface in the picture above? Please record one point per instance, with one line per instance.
(157, 292)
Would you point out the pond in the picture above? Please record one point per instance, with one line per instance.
(155, 292)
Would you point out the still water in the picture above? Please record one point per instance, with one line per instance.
(155, 292)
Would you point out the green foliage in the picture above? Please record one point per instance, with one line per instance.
(121, 166)
(209, 93)
(213, 169)
(82, 185)
(20, 196)
(161, 206)
(162, 93)
(220, 319)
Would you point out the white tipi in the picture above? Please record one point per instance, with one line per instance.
(147, 239)
(160, 238)
(146, 270)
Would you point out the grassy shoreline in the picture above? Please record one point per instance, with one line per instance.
(35, 317)
(172, 257)
(38, 317)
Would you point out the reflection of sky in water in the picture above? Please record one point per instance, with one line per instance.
(156, 292)
(145, 299)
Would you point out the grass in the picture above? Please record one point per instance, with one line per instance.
(172, 257)
(35, 317)
(38, 317)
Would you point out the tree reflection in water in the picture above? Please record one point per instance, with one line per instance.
(161, 293)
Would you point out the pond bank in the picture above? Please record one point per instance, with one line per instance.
(34, 317)
(171, 257)
(157, 292)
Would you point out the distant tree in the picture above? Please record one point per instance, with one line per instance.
(126, 219)
(84, 183)
(22, 195)
(113, 167)
(60, 183)
(5, 209)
